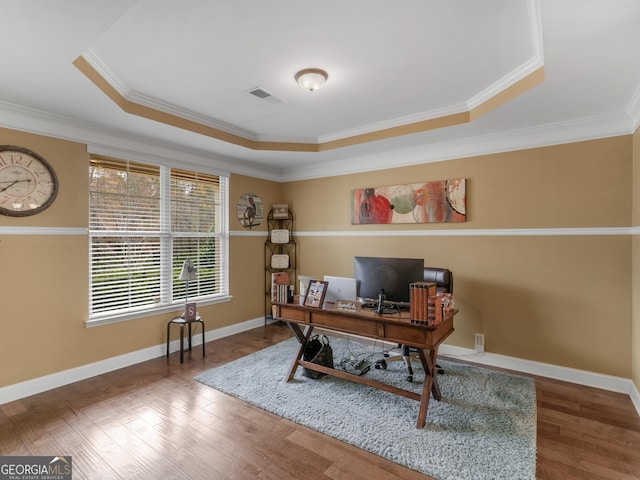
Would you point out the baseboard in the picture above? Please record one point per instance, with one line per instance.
(635, 397)
(58, 379)
(581, 377)
(572, 375)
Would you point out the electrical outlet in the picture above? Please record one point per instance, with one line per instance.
(479, 342)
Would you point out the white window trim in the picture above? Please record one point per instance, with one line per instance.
(109, 318)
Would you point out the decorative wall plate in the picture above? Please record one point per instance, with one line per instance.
(280, 261)
(280, 235)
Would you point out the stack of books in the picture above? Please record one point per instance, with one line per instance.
(422, 303)
(280, 287)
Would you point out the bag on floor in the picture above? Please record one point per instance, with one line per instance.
(318, 351)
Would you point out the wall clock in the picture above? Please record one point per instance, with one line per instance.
(28, 184)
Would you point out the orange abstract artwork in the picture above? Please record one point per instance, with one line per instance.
(431, 202)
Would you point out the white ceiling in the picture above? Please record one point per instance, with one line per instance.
(389, 64)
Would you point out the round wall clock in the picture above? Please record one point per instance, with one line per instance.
(28, 184)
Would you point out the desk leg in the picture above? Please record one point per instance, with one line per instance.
(295, 329)
(430, 383)
(302, 339)
(435, 387)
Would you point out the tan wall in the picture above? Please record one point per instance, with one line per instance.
(44, 299)
(247, 278)
(562, 300)
(635, 339)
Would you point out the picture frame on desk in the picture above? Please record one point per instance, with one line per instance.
(316, 291)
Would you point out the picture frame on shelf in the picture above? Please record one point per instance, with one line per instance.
(281, 211)
(316, 291)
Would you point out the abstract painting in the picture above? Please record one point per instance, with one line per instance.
(428, 202)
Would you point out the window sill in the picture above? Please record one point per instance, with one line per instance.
(175, 307)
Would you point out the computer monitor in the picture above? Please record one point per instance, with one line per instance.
(393, 275)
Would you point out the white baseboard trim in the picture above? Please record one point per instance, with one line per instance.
(581, 377)
(58, 379)
(566, 374)
(635, 396)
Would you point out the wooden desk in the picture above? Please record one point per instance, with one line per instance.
(395, 328)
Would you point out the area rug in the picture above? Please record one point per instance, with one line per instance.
(484, 428)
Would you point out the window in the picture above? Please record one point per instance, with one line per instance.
(144, 221)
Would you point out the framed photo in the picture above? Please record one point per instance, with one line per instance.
(316, 291)
(190, 312)
(280, 211)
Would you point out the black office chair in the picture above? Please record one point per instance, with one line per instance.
(443, 278)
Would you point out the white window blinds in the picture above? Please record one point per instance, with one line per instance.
(196, 230)
(144, 222)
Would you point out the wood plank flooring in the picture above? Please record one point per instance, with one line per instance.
(153, 421)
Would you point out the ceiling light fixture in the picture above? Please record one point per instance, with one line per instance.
(311, 79)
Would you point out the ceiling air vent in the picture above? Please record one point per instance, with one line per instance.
(262, 94)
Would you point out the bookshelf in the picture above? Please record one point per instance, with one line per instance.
(280, 255)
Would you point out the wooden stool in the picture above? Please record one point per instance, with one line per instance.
(184, 323)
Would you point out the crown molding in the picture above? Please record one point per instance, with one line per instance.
(633, 109)
(396, 122)
(514, 83)
(579, 130)
(38, 122)
(524, 70)
(105, 72)
(47, 124)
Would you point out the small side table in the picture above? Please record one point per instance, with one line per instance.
(181, 322)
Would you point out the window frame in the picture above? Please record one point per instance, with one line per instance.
(168, 303)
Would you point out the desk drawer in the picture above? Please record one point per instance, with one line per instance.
(405, 334)
(344, 323)
(413, 336)
(295, 314)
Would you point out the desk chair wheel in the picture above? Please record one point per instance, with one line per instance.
(410, 373)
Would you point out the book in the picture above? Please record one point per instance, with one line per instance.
(279, 286)
(420, 307)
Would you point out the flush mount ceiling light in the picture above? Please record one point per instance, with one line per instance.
(311, 79)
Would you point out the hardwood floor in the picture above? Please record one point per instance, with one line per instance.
(153, 421)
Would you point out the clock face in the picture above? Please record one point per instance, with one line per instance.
(28, 184)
